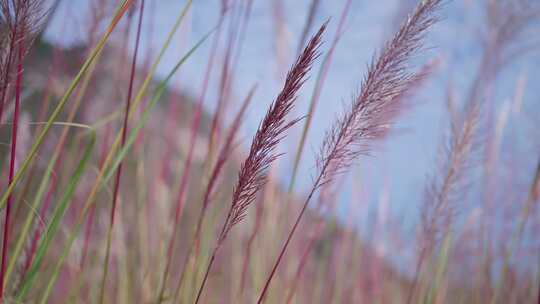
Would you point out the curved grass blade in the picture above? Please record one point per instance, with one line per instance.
(137, 101)
(146, 114)
(58, 214)
(133, 134)
(120, 11)
(36, 203)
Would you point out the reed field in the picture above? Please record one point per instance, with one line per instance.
(145, 162)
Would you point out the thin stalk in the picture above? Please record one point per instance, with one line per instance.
(65, 98)
(39, 140)
(57, 215)
(248, 249)
(319, 84)
(253, 173)
(225, 83)
(372, 111)
(92, 211)
(305, 255)
(187, 163)
(42, 116)
(238, 24)
(28, 221)
(121, 10)
(138, 99)
(325, 196)
(122, 143)
(74, 180)
(300, 268)
(213, 257)
(241, 38)
(18, 85)
(53, 166)
(517, 235)
(289, 238)
(318, 180)
(313, 8)
(223, 157)
(416, 277)
(109, 166)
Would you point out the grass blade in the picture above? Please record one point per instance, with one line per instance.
(121, 10)
(58, 214)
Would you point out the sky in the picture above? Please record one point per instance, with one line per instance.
(397, 170)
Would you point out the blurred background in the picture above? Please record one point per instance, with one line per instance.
(272, 40)
(360, 241)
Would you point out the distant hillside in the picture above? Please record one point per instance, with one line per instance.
(47, 74)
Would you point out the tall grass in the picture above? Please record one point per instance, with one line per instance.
(371, 112)
(118, 187)
(122, 144)
(22, 18)
(253, 172)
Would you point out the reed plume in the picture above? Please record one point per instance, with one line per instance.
(370, 115)
(317, 91)
(253, 172)
(223, 157)
(7, 43)
(372, 111)
(19, 20)
(448, 187)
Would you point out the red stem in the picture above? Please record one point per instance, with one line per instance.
(126, 114)
(207, 272)
(37, 234)
(216, 171)
(295, 226)
(249, 245)
(14, 129)
(87, 233)
(220, 240)
(303, 261)
(187, 163)
(225, 83)
(92, 209)
(125, 125)
(419, 263)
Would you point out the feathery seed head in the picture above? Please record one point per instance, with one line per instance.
(374, 108)
(271, 131)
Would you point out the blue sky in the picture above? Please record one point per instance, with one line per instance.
(402, 163)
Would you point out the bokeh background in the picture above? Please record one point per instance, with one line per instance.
(389, 183)
(378, 203)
